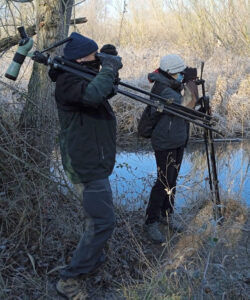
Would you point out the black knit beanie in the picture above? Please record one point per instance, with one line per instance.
(79, 46)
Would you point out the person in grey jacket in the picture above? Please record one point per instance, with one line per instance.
(169, 138)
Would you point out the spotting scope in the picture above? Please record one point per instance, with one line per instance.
(25, 44)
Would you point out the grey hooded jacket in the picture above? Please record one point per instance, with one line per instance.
(170, 132)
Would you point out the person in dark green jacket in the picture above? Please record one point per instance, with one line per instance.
(88, 148)
(169, 138)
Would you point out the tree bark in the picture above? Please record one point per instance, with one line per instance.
(38, 118)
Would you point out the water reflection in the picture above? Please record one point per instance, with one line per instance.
(135, 172)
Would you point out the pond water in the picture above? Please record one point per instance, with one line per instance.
(135, 173)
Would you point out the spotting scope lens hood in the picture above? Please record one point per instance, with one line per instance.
(22, 32)
(24, 47)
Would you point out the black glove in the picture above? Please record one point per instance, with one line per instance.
(109, 49)
(189, 74)
(39, 58)
(111, 61)
(54, 73)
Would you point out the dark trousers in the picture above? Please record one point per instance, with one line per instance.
(99, 225)
(163, 192)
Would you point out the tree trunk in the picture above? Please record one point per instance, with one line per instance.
(38, 118)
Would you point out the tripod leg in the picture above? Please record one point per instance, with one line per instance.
(208, 160)
(210, 177)
(215, 182)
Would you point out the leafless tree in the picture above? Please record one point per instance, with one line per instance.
(38, 116)
(52, 18)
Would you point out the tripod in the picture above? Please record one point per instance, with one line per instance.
(210, 152)
(201, 118)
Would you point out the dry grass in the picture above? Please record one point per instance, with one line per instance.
(227, 86)
(210, 31)
(41, 223)
(214, 32)
(194, 26)
(207, 261)
(40, 215)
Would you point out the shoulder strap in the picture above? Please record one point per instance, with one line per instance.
(69, 108)
(86, 109)
(81, 109)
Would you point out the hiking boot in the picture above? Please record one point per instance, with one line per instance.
(70, 289)
(153, 232)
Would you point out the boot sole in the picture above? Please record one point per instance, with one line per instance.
(83, 276)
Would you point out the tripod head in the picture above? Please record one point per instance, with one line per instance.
(204, 100)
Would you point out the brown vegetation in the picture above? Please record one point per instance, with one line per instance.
(40, 215)
(41, 223)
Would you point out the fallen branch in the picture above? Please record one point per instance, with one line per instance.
(78, 21)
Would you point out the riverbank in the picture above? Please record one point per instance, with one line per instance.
(205, 261)
(40, 228)
(41, 218)
(41, 223)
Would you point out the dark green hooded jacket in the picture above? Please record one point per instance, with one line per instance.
(88, 125)
(170, 131)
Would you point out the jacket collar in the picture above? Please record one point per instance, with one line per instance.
(163, 77)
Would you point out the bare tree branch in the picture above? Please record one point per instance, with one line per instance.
(78, 21)
(79, 2)
(10, 41)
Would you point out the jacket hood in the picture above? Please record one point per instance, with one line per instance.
(162, 77)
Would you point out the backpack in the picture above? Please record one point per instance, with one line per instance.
(147, 122)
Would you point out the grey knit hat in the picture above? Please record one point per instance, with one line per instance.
(172, 63)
